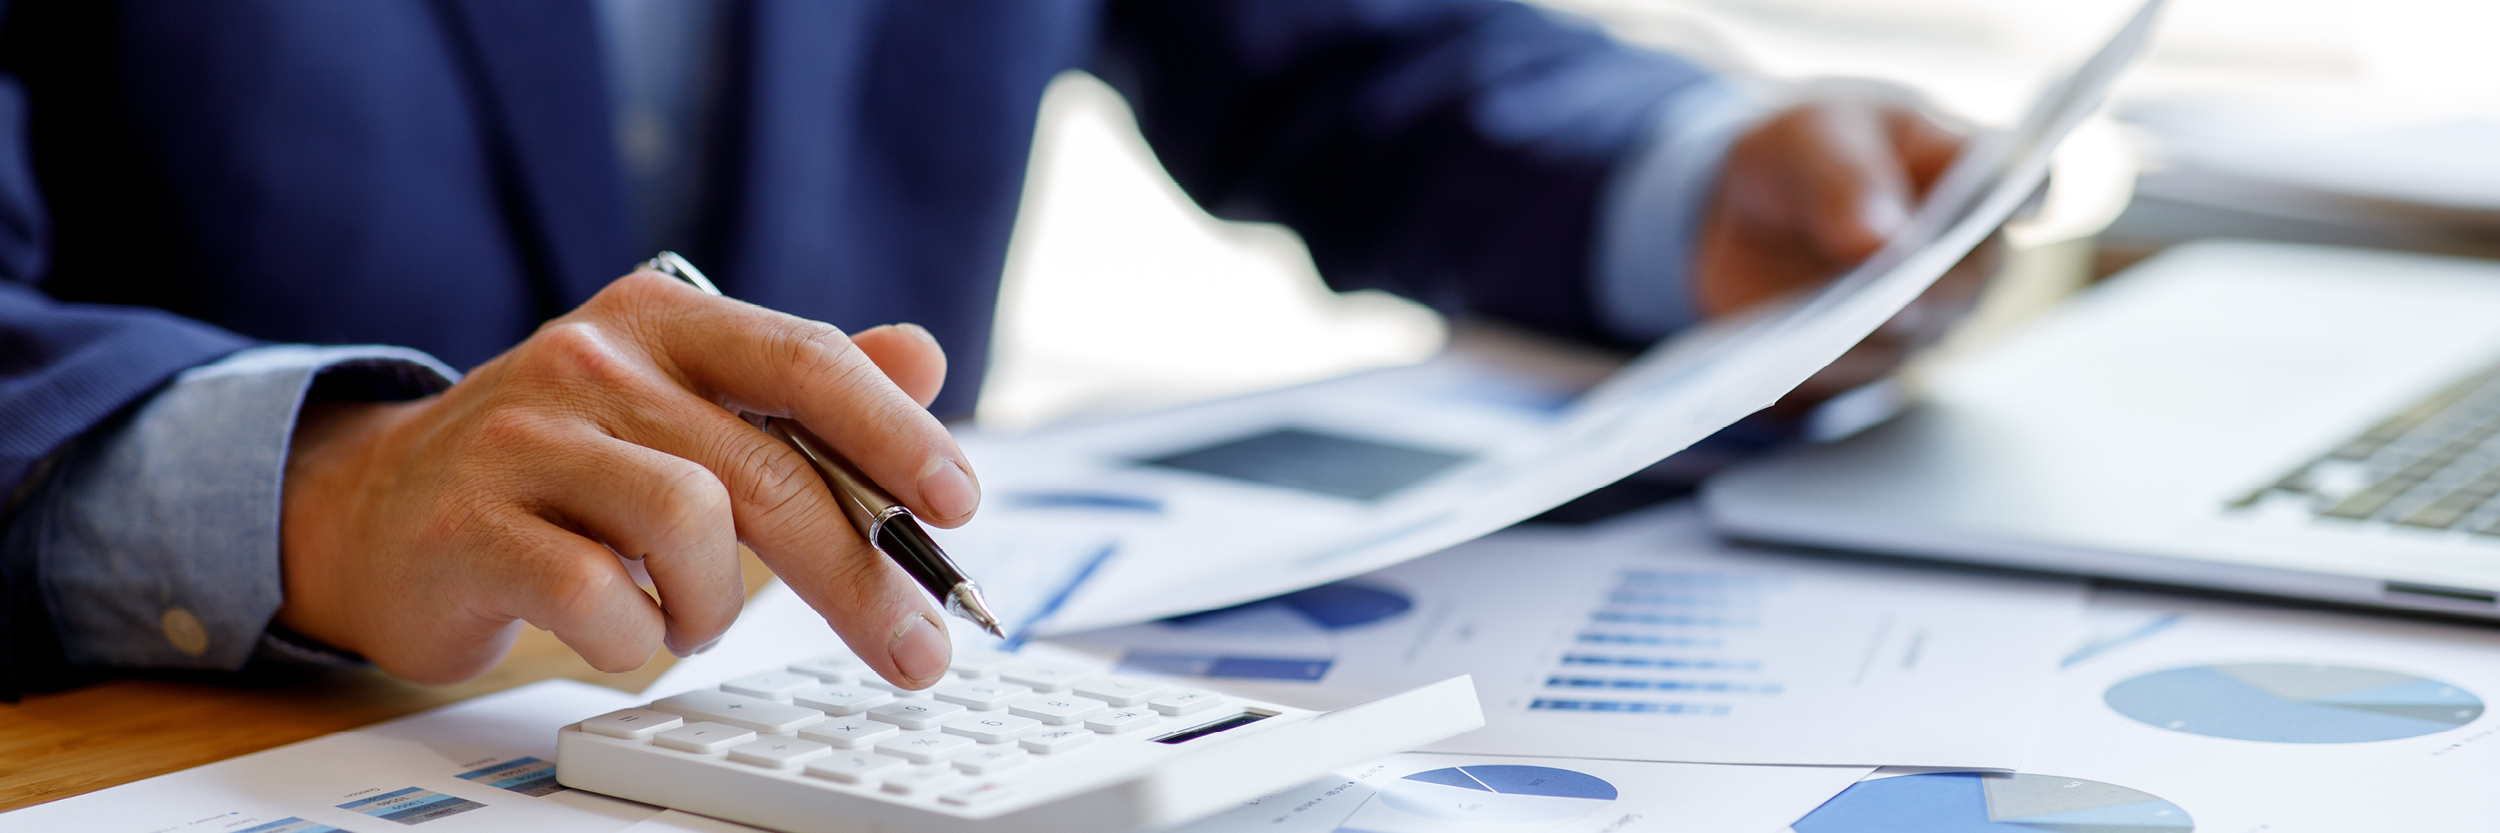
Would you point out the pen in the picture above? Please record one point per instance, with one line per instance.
(887, 524)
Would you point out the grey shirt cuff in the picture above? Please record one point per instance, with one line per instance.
(1649, 225)
(156, 537)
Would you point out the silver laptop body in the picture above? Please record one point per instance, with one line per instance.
(2292, 420)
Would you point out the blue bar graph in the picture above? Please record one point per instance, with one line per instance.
(527, 776)
(1665, 634)
(414, 805)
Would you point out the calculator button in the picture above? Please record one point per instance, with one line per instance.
(1123, 720)
(842, 700)
(991, 728)
(871, 680)
(702, 738)
(1186, 701)
(835, 668)
(852, 767)
(1043, 676)
(915, 713)
(632, 724)
(739, 710)
(989, 759)
(1120, 691)
(980, 694)
(926, 747)
(974, 665)
(1057, 710)
(977, 794)
(849, 732)
(1057, 740)
(771, 685)
(919, 781)
(778, 753)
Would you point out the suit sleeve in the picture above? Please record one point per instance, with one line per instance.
(1453, 151)
(64, 370)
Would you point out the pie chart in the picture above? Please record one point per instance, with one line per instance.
(1482, 797)
(1971, 802)
(2293, 703)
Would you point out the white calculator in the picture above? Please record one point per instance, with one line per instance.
(999, 744)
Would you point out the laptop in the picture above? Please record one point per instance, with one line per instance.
(2293, 420)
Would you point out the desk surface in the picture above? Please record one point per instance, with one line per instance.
(54, 746)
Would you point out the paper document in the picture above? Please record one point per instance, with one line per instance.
(486, 764)
(2215, 716)
(1477, 794)
(1646, 639)
(1213, 505)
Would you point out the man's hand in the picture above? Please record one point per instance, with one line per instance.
(422, 534)
(1810, 192)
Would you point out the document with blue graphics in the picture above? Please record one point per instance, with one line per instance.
(1213, 505)
(1646, 638)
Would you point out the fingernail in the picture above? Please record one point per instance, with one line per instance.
(919, 650)
(924, 333)
(949, 490)
(710, 645)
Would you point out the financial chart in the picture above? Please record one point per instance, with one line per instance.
(1481, 797)
(1665, 642)
(2293, 703)
(1970, 802)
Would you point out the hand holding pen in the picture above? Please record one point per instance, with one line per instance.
(881, 520)
(422, 534)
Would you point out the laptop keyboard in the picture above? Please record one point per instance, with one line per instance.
(2433, 465)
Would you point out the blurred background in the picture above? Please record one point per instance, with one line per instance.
(2356, 122)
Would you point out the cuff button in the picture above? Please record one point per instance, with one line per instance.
(184, 630)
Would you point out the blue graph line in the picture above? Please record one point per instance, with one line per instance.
(1704, 709)
(1669, 619)
(1057, 600)
(1663, 685)
(1661, 662)
(1626, 597)
(2098, 647)
(1085, 500)
(1661, 641)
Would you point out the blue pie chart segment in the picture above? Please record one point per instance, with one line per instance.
(1970, 802)
(2294, 703)
(1499, 793)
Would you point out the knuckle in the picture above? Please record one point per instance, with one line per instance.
(859, 576)
(581, 350)
(633, 291)
(819, 352)
(775, 483)
(693, 505)
(578, 589)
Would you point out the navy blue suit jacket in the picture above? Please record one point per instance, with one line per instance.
(180, 179)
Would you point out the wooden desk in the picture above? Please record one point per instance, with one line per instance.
(55, 746)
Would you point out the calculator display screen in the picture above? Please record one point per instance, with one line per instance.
(1202, 730)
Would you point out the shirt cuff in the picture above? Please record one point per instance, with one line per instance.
(156, 539)
(1649, 226)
